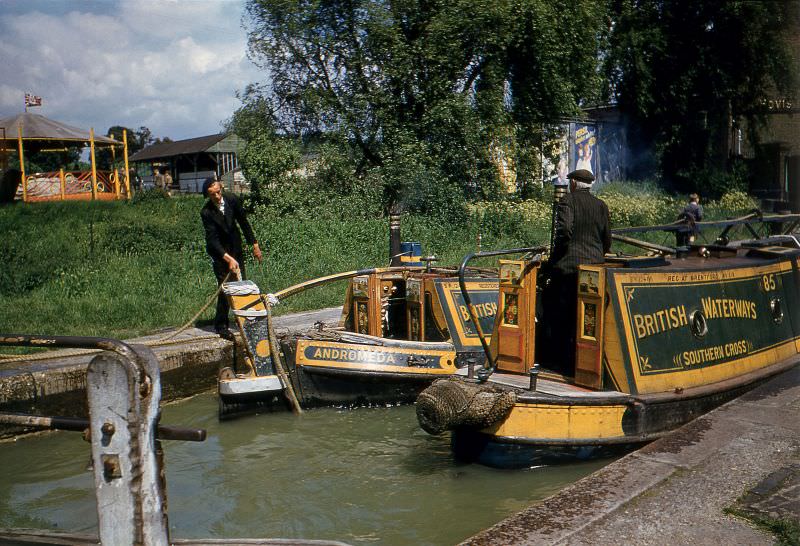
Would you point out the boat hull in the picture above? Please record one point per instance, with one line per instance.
(540, 430)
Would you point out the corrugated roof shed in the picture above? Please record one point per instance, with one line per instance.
(210, 143)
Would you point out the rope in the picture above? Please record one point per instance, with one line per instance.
(200, 312)
(288, 389)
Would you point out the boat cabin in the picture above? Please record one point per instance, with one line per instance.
(648, 324)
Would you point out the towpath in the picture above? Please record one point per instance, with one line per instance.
(54, 383)
(187, 338)
(743, 456)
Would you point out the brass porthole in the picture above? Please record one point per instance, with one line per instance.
(698, 324)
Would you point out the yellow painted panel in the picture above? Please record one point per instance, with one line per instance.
(242, 302)
(612, 351)
(669, 381)
(556, 422)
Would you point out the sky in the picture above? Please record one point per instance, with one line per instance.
(173, 66)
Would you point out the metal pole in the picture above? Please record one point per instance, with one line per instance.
(394, 236)
(127, 170)
(62, 183)
(22, 165)
(94, 166)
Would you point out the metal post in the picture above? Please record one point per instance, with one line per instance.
(127, 170)
(125, 453)
(94, 166)
(559, 191)
(22, 164)
(62, 183)
(394, 236)
(534, 373)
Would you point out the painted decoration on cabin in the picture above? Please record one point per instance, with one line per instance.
(698, 319)
(510, 310)
(413, 314)
(511, 271)
(590, 320)
(362, 315)
(413, 290)
(588, 282)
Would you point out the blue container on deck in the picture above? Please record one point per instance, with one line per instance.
(410, 253)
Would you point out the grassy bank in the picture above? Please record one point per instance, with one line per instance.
(125, 269)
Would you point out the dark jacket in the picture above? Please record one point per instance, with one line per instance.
(222, 235)
(692, 210)
(583, 232)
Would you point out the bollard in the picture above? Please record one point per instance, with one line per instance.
(534, 374)
(123, 395)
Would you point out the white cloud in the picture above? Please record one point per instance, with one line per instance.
(171, 65)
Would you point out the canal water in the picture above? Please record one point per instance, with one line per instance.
(363, 476)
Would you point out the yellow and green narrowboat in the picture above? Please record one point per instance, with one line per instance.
(659, 340)
(400, 329)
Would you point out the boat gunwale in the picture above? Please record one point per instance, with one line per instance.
(373, 374)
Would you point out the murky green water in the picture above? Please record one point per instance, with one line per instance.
(365, 476)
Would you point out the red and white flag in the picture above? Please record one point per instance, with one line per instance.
(32, 100)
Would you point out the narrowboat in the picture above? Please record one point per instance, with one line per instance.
(659, 339)
(401, 328)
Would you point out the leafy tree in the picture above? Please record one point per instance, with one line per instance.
(433, 86)
(680, 70)
(255, 117)
(137, 139)
(38, 161)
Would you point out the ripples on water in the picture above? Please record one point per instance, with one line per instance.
(363, 476)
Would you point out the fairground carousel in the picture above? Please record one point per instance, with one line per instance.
(28, 133)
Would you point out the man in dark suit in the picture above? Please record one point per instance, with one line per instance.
(220, 215)
(583, 236)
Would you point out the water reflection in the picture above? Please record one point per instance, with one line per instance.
(360, 476)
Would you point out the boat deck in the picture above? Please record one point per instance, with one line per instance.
(548, 384)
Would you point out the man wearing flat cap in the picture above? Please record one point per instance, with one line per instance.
(220, 215)
(582, 236)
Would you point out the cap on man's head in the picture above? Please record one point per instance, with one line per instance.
(207, 184)
(581, 175)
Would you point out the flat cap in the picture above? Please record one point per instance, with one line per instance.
(581, 175)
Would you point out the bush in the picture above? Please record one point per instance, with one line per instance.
(732, 204)
(152, 194)
(639, 204)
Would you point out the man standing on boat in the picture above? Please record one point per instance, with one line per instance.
(220, 215)
(582, 236)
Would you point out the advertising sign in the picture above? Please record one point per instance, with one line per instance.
(585, 149)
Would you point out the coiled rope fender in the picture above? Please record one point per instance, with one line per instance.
(453, 402)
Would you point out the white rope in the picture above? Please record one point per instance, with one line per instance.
(250, 313)
(241, 288)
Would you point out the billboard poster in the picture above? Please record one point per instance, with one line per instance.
(585, 149)
(555, 158)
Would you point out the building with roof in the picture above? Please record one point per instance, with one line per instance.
(189, 162)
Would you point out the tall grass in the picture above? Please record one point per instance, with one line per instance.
(121, 269)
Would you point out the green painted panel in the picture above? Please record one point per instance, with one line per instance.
(698, 319)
